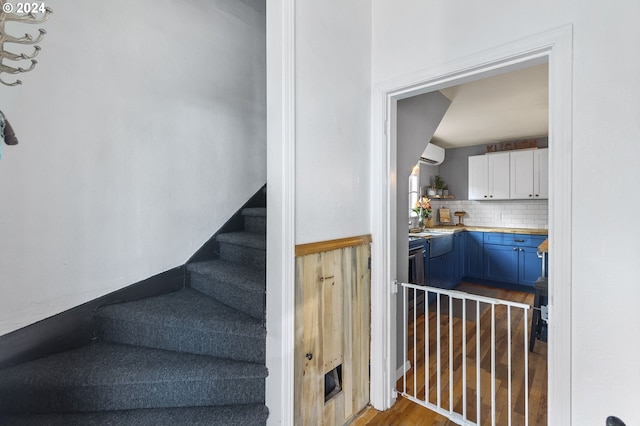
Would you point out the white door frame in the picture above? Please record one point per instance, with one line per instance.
(554, 47)
(281, 138)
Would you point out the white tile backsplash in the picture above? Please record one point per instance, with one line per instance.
(511, 214)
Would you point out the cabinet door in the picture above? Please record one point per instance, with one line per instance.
(458, 242)
(437, 272)
(442, 271)
(501, 263)
(522, 174)
(529, 266)
(478, 177)
(450, 271)
(474, 254)
(498, 167)
(541, 174)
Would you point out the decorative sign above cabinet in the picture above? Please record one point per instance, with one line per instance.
(509, 146)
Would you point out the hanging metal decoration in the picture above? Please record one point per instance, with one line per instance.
(27, 13)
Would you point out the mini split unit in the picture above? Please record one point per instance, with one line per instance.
(432, 155)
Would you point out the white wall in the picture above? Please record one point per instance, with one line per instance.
(410, 36)
(318, 80)
(333, 101)
(141, 131)
(418, 119)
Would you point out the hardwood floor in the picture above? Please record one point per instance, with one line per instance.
(408, 413)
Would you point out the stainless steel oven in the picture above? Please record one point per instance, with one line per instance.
(417, 252)
(416, 265)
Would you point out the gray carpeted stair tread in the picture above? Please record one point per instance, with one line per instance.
(243, 277)
(188, 309)
(107, 376)
(255, 211)
(186, 321)
(244, 248)
(255, 220)
(227, 415)
(245, 239)
(239, 286)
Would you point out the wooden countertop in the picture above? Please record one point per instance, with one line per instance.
(489, 229)
(544, 246)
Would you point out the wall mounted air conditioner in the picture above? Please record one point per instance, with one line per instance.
(432, 155)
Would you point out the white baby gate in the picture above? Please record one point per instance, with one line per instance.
(447, 375)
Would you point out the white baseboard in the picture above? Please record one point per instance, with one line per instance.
(403, 369)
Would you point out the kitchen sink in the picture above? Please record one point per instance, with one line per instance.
(440, 244)
(426, 234)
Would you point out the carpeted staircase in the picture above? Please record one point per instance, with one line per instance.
(192, 357)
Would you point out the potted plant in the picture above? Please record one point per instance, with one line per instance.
(439, 185)
(445, 191)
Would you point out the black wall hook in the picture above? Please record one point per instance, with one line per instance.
(7, 134)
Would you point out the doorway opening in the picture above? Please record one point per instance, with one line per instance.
(555, 48)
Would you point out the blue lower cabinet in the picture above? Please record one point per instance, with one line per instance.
(442, 271)
(501, 263)
(474, 254)
(436, 272)
(459, 252)
(512, 258)
(529, 266)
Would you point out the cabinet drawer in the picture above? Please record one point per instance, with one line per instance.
(517, 240)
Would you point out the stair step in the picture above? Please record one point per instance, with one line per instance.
(242, 288)
(255, 211)
(244, 248)
(186, 321)
(107, 376)
(255, 219)
(228, 415)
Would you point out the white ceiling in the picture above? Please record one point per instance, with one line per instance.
(506, 107)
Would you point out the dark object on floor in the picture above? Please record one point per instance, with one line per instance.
(614, 421)
(8, 135)
(538, 325)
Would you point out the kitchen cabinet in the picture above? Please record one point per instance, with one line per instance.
(442, 272)
(529, 174)
(501, 263)
(541, 173)
(529, 266)
(512, 258)
(473, 254)
(489, 176)
(459, 252)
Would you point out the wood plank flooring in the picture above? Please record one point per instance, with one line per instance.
(408, 413)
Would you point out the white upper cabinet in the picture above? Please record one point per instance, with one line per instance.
(509, 175)
(541, 173)
(489, 177)
(529, 174)
(521, 174)
(478, 177)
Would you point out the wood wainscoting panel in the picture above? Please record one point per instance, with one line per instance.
(332, 287)
(308, 377)
(332, 329)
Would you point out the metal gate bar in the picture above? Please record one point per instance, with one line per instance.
(460, 417)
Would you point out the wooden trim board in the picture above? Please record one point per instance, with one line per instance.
(322, 246)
